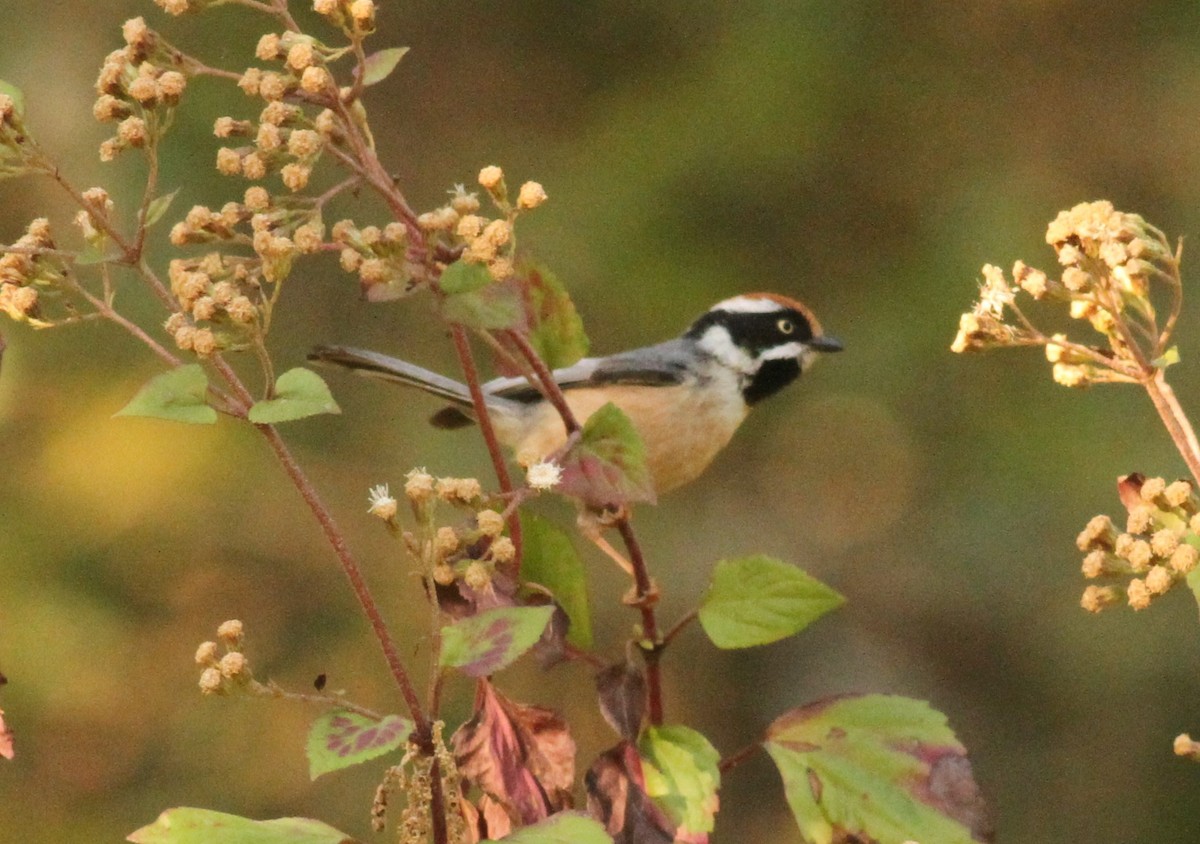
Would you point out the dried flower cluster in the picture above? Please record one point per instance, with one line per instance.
(286, 139)
(413, 778)
(225, 668)
(1109, 259)
(469, 552)
(1157, 550)
(385, 266)
(12, 137)
(136, 86)
(27, 269)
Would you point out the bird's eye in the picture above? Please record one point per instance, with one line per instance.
(785, 326)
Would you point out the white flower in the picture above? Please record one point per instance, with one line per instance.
(994, 293)
(545, 474)
(382, 503)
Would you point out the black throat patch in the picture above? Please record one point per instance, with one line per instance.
(771, 377)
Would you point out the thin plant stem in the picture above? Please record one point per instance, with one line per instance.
(437, 803)
(337, 540)
(1175, 420)
(270, 689)
(467, 361)
(731, 761)
(679, 627)
(645, 592)
(549, 387)
(646, 598)
(107, 312)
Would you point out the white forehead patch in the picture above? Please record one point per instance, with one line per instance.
(748, 305)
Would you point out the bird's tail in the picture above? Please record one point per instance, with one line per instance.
(375, 365)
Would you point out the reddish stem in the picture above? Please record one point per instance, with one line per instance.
(549, 387)
(644, 586)
(732, 761)
(471, 373)
(646, 598)
(337, 540)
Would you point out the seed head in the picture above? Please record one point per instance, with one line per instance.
(211, 681)
(418, 485)
(531, 195)
(1096, 598)
(1159, 580)
(1138, 594)
(477, 576)
(489, 522)
(206, 654)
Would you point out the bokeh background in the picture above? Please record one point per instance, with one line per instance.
(866, 157)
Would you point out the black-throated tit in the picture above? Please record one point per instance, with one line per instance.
(686, 396)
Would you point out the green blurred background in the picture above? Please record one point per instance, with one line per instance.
(866, 157)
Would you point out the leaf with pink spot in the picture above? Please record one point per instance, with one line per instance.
(484, 644)
(342, 738)
(878, 767)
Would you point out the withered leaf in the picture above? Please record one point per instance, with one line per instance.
(616, 795)
(622, 692)
(6, 739)
(523, 757)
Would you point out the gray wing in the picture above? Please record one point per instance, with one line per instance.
(661, 365)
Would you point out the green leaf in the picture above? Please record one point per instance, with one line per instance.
(562, 828)
(1168, 358)
(202, 826)
(556, 330)
(18, 98)
(90, 254)
(179, 394)
(758, 599)
(341, 738)
(379, 66)
(464, 277)
(607, 467)
(877, 766)
(682, 774)
(158, 207)
(484, 644)
(473, 299)
(1193, 582)
(549, 559)
(299, 393)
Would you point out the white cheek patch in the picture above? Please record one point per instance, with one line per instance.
(748, 305)
(718, 343)
(787, 350)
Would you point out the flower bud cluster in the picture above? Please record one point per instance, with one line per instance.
(224, 668)
(1159, 547)
(1108, 260)
(12, 137)
(283, 140)
(355, 17)
(228, 289)
(214, 292)
(27, 271)
(460, 226)
(133, 83)
(178, 7)
(467, 553)
(379, 256)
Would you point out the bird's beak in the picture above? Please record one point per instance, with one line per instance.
(825, 343)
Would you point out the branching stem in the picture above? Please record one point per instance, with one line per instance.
(1175, 420)
(337, 540)
(471, 373)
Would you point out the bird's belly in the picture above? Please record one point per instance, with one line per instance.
(683, 428)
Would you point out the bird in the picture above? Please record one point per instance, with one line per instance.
(686, 396)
